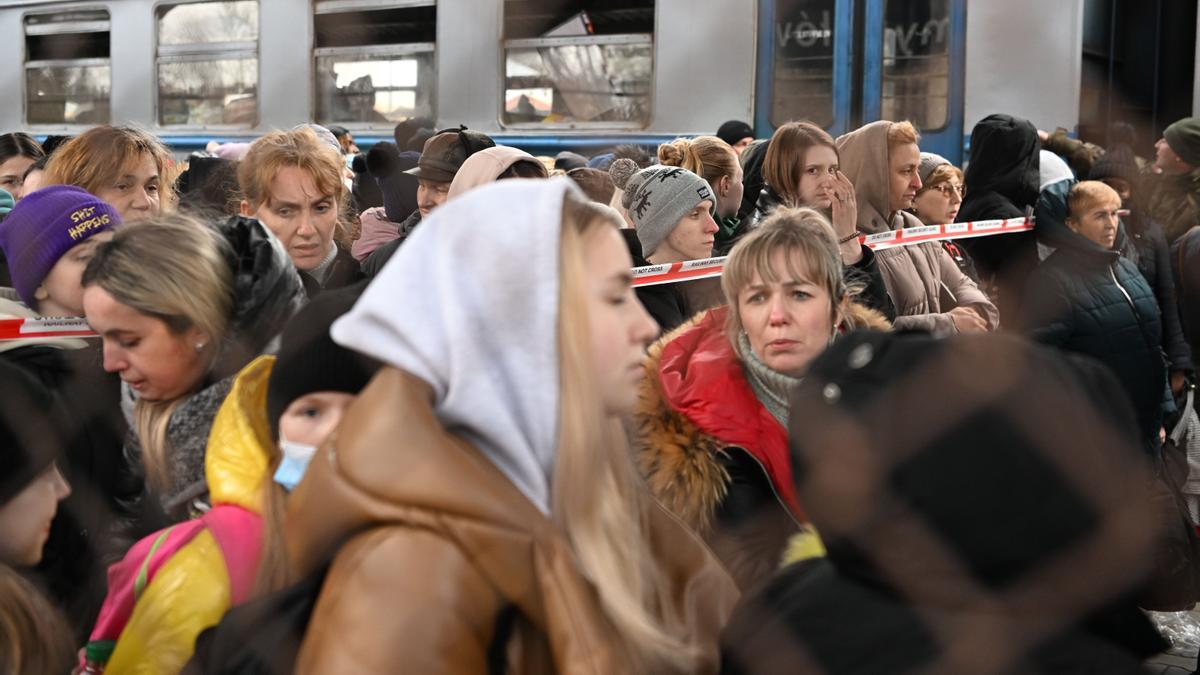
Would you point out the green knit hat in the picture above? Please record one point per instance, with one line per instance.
(1184, 138)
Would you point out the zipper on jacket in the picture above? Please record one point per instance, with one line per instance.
(1128, 298)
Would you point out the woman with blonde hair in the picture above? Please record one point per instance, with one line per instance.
(710, 434)
(181, 307)
(716, 162)
(478, 501)
(124, 166)
(292, 182)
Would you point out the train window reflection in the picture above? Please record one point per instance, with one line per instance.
(208, 64)
(374, 65)
(578, 62)
(804, 43)
(916, 63)
(67, 74)
(207, 22)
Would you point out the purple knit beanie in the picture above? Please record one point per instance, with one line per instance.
(46, 224)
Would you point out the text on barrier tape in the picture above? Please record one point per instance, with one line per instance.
(27, 329)
(653, 275)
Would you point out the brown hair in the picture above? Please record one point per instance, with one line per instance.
(903, 133)
(785, 156)
(299, 148)
(93, 158)
(34, 638)
(706, 156)
(810, 252)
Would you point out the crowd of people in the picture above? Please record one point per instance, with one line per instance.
(408, 410)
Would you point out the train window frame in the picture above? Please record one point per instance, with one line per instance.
(612, 39)
(71, 27)
(947, 111)
(199, 52)
(389, 51)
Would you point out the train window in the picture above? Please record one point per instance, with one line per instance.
(803, 81)
(578, 62)
(67, 75)
(208, 64)
(916, 62)
(374, 61)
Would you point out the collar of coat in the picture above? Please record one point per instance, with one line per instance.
(694, 403)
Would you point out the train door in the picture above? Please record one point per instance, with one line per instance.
(842, 63)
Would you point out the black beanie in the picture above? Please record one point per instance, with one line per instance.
(310, 361)
(398, 189)
(29, 430)
(1118, 162)
(734, 130)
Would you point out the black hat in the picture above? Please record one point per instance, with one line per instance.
(1118, 162)
(397, 188)
(310, 361)
(567, 160)
(734, 130)
(30, 423)
(446, 151)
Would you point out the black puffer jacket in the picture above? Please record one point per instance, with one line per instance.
(1002, 181)
(1146, 246)
(1089, 300)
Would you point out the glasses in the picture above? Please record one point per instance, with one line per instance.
(948, 189)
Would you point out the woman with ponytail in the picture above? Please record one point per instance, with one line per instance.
(479, 502)
(716, 162)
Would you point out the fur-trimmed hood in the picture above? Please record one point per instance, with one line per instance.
(681, 461)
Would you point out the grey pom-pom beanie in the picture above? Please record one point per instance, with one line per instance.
(657, 197)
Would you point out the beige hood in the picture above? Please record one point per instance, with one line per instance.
(485, 167)
(863, 154)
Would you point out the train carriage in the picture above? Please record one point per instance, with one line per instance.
(545, 75)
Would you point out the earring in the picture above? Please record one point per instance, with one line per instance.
(200, 346)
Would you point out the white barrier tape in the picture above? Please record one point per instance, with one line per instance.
(26, 329)
(651, 275)
(654, 275)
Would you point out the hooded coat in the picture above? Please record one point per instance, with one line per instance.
(195, 571)
(1087, 299)
(433, 502)
(1002, 180)
(919, 276)
(712, 453)
(1176, 203)
(968, 549)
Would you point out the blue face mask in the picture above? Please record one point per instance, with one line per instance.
(295, 462)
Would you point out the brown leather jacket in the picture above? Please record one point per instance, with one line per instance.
(441, 565)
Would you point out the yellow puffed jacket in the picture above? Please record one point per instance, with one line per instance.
(181, 580)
